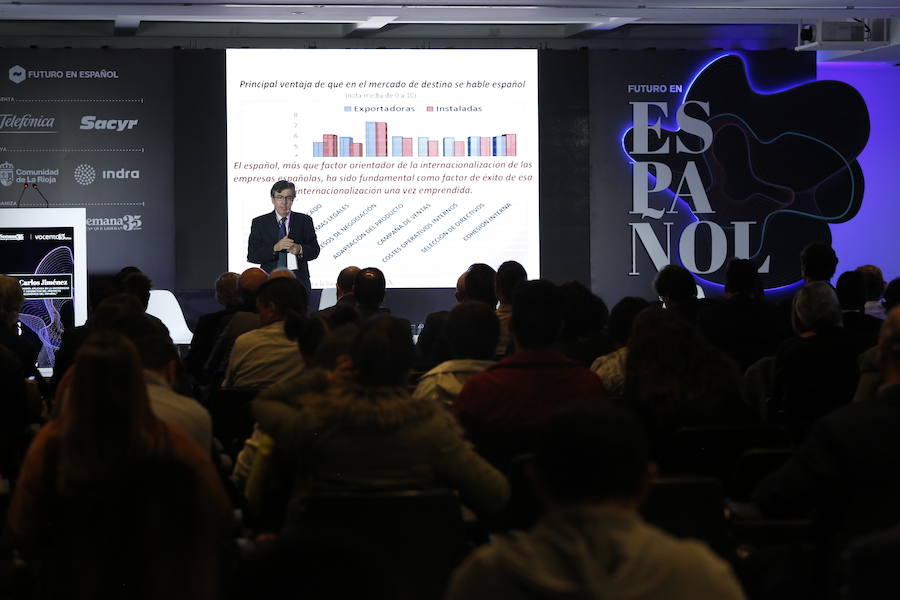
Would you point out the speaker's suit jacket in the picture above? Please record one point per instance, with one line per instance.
(264, 234)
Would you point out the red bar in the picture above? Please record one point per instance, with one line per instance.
(486, 145)
(407, 146)
(381, 142)
(459, 148)
(432, 148)
(329, 145)
(356, 149)
(510, 144)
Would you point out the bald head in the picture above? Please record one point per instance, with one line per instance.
(252, 278)
(248, 284)
(282, 273)
(461, 288)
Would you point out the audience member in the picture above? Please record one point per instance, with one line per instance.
(369, 288)
(870, 361)
(610, 367)
(263, 356)
(472, 330)
(502, 407)
(815, 372)
(509, 275)
(846, 473)
(476, 284)
(875, 284)
(210, 326)
(677, 290)
(345, 297)
(583, 334)
(674, 378)
(161, 368)
(851, 292)
(818, 262)
(138, 285)
(743, 325)
(13, 413)
(18, 339)
(244, 320)
(77, 507)
(592, 468)
(378, 436)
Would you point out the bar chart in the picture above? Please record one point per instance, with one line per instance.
(377, 144)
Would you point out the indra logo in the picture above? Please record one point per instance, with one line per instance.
(84, 174)
(7, 174)
(131, 222)
(17, 74)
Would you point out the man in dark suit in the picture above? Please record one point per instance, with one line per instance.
(283, 238)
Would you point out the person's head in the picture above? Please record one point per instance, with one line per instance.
(851, 290)
(158, 354)
(336, 343)
(115, 309)
(742, 279)
(473, 330)
(622, 316)
(277, 297)
(282, 273)
(460, 293)
(479, 284)
(106, 419)
(889, 347)
(11, 300)
(382, 351)
(509, 275)
(139, 285)
(369, 287)
(125, 272)
(248, 284)
(818, 262)
(345, 281)
(816, 307)
(675, 285)
(227, 290)
(891, 294)
(592, 454)
(308, 333)
(283, 194)
(536, 315)
(584, 314)
(874, 280)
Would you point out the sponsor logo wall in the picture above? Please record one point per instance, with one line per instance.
(93, 129)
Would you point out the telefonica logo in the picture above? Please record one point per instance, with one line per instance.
(10, 121)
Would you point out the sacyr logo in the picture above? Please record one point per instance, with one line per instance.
(17, 74)
(131, 222)
(6, 174)
(85, 174)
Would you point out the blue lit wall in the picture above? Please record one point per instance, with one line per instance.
(872, 236)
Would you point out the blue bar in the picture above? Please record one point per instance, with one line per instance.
(317, 148)
(396, 145)
(370, 138)
(474, 145)
(448, 147)
(423, 146)
(344, 146)
(499, 145)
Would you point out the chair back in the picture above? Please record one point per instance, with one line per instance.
(752, 467)
(870, 566)
(232, 421)
(416, 537)
(692, 507)
(714, 451)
